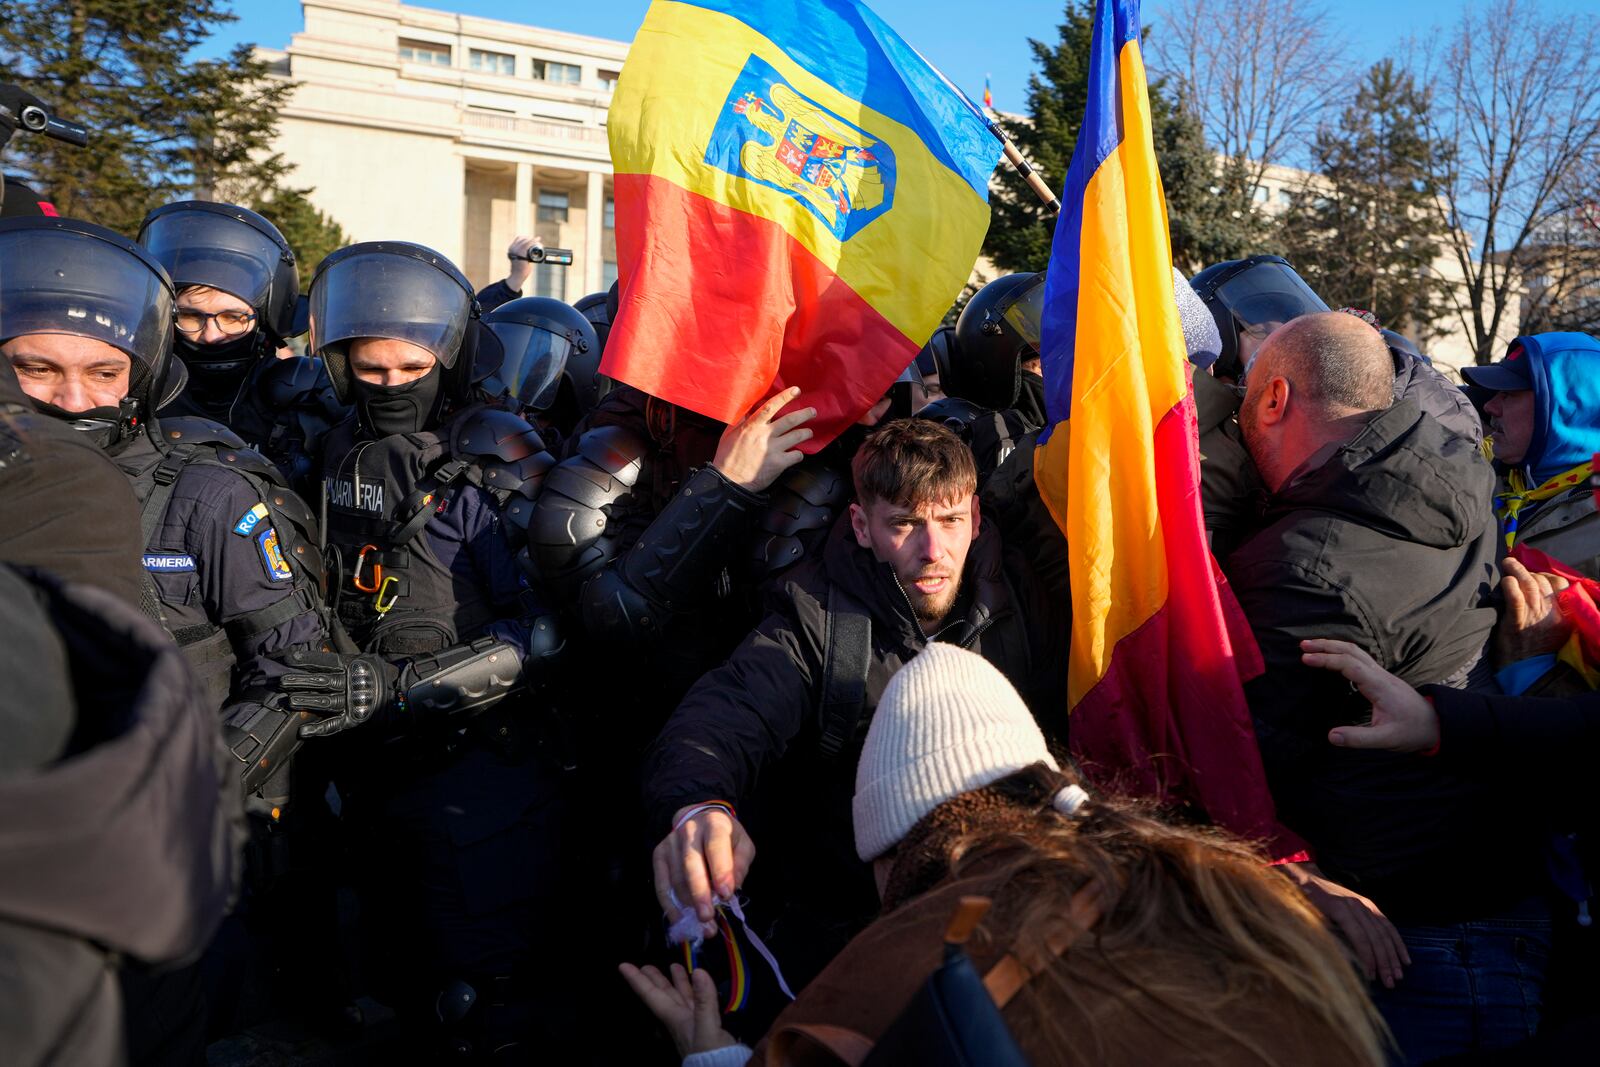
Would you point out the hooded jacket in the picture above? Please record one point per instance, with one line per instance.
(129, 845)
(1565, 368)
(1388, 544)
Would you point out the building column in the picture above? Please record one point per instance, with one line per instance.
(593, 239)
(524, 222)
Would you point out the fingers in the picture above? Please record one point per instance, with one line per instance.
(744, 854)
(1386, 944)
(768, 411)
(689, 873)
(1382, 737)
(1517, 609)
(786, 423)
(719, 856)
(1347, 917)
(707, 1009)
(661, 861)
(322, 728)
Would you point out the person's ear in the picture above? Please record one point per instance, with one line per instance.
(977, 518)
(1274, 401)
(858, 523)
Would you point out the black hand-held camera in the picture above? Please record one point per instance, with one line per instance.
(26, 112)
(560, 257)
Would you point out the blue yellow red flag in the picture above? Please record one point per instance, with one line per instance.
(800, 197)
(1160, 650)
(988, 96)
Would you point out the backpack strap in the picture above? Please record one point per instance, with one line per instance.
(817, 1045)
(847, 641)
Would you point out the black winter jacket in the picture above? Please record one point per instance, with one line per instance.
(757, 715)
(1388, 544)
(127, 846)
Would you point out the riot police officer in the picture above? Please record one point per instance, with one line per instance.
(228, 550)
(238, 302)
(448, 789)
(988, 368)
(548, 370)
(1249, 298)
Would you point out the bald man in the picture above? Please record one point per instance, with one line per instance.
(1378, 530)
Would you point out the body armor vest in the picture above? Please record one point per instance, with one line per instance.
(396, 594)
(185, 441)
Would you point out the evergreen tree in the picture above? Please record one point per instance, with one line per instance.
(309, 232)
(163, 125)
(1365, 229)
(1206, 223)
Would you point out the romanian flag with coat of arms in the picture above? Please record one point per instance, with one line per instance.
(799, 199)
(1160, 649)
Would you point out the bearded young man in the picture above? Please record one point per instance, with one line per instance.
(911, 563)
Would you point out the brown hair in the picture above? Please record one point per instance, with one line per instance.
(1201, 952)
(911, 462)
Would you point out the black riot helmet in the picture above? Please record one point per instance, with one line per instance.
(589, 386)
(63, 276)
(1249, 298)
(404, 292)
(997, 331)
(230, 248)
(540, 335)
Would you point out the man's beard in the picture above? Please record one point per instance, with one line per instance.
(1259, 454)
(932, 608)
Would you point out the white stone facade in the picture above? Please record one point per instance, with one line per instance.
(456, 132)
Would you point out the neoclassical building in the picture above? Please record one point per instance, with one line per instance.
(456, 132)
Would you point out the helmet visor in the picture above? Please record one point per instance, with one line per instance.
(1266, 296)
(58, 281)
(1025, 312)
(382, 294)
(216, 251)
(533, 363)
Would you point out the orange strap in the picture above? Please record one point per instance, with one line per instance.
(1007, 977)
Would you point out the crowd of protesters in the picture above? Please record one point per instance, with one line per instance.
(432, 668)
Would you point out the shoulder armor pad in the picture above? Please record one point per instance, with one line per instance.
(804, 502)
(954, 412)
(494, 433)
(193, 430)
(580, 518)
(510, 456)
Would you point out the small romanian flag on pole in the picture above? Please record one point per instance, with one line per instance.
(799, 199)
(1160, 648)
(988, 97)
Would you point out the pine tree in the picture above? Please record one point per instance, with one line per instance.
(163, 125)
(1365, 229)
(1206, 224)
(309, 232)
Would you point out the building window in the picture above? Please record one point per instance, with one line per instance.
(433, 55)
(608, 80)
(552, 206)
(1285, 197)
(491, 62)
(611, 214)
(608, 274)
(550, 280)
(1261, 194)
(557, 73)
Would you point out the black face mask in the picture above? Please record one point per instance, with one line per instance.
(386, 410)
(226, 357)
(103, 426)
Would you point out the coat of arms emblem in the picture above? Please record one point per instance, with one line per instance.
(771, 134)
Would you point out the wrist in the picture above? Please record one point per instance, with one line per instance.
(690, 811)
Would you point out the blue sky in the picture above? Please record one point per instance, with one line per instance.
(964, 38)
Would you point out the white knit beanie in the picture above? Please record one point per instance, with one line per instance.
(948, 723)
